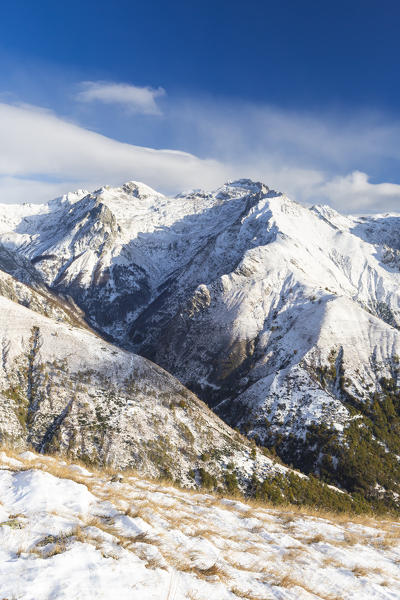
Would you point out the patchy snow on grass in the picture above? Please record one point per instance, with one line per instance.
(69, 533)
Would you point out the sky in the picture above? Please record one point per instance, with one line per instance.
(304, 96)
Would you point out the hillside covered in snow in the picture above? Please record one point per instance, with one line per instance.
(65, 389)
(69, 532)
(283, 319)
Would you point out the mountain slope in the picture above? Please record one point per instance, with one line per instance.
(68, 532)
(21, 283)
(64, 389)
(284, 319)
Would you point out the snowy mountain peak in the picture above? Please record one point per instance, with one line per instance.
(72, 197)
(248, 185)
(332, 217)
(139, 189)
(240, 188)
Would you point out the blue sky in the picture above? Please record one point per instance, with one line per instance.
(303, 95)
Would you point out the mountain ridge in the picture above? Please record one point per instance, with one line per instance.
(284, 319)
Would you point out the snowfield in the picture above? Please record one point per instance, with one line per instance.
(69, 533)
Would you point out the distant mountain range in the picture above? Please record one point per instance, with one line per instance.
(283, 319)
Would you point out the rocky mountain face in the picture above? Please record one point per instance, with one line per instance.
(64, 389)
(284, 319)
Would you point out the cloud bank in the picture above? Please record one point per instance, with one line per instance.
(39, 149)
(356, 191)
(315, 159)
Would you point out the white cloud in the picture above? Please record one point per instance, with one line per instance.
(314, 160)
(14, 190)
(38, 145)
(331, 142)
(314, 157)
(135, 99)
(354, 192)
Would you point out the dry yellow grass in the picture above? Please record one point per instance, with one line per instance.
(58, 548)
(360, 571)
(294, 554)
(329, 561)
(191, 523)
(248, 595)
(289, 581)
(387, 541)
(289, 513)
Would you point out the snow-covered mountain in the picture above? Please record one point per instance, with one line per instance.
(65, 389)
(283, 318)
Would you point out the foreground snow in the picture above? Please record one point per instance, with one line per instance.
(68, 533)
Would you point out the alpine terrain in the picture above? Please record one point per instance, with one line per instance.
(283, 319)
(68, 532)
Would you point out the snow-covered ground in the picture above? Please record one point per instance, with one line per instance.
(69, 533)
